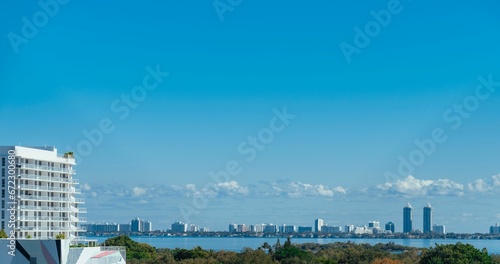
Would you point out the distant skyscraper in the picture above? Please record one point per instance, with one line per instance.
(349, 228)
(389, 227)
(428, 218)
(241, 228)
(258, 228)
(304, 229)
(179, 227)
(495, 229)
(287, 228)
(124, 227)
(136, 225)
(318, 223)
(439, 229)
(270, 228)
(407, 219)
(147, 226)
(232, 227)
(374, 224)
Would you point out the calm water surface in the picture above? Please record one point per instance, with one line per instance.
(237, 243)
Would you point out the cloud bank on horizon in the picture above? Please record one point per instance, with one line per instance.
(406, 188)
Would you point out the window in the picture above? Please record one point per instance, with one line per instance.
(3, 172)
(3, 194)
(3, 161)
(3, 214)
(3, 183)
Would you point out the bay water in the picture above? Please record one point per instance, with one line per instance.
(238, 243)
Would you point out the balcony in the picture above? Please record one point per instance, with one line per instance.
(75, 219)
(46, 168)
(45, 198)
(45, 208)
(46, 178)
(43, 218)
(79, 200)
(78, 210)
(47, 188)
(42, 228)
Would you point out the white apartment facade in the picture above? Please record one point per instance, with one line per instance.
(39, 193)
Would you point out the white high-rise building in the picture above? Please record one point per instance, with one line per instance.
(349, 228)
(39, 193)
(374, 224)
(318, 223)
(194, 228)
(147, 226)
(439, 229)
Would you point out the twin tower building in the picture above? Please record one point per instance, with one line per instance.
(427, 219)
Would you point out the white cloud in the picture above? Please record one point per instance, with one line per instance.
(298, 189)
(138, 191)
(413, 187)
(485, 185)
(86, 187)
(231, 188)
(212, 190)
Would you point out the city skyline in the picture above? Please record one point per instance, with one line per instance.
(321, 226)
(176, 112)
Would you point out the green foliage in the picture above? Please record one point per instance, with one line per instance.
(455, 253)
(197, 252)
(59, 236)
(135, 250)
(250, 256)
(288, 251)
(3, 234)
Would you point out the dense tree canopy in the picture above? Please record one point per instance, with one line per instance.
(306, 253)
(456, 253)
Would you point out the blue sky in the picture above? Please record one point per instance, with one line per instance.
(227, 78)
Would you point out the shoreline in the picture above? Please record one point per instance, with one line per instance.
(454, 236)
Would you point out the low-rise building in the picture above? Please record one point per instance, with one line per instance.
(439, 229)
